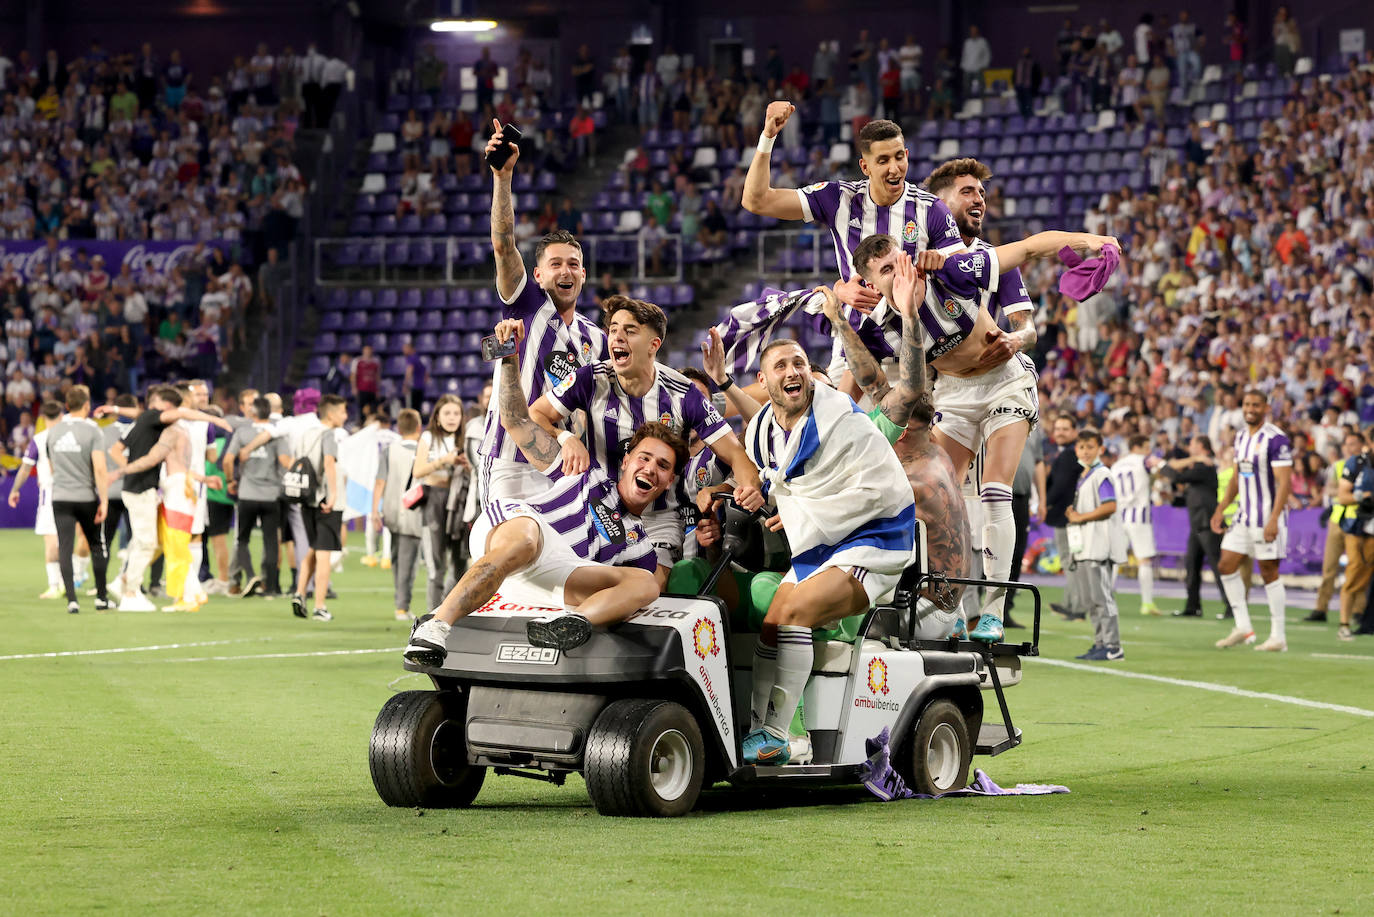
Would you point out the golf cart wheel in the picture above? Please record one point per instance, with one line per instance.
(644, 757)
(937, 757)
(418, 755)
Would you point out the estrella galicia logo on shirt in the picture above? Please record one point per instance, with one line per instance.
(909, 232)
(559, 366)
(608, 524)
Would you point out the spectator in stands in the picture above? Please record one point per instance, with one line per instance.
(1287, 41)
(974, 58)
(582, 130)
(584, 77)
(366, 382)
(1157, 87)
(415, 379)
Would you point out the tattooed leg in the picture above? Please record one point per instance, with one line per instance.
(511, 545)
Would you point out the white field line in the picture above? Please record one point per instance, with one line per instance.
(389, 649)
(1207, 686)
(1341, 656)
(131, 649)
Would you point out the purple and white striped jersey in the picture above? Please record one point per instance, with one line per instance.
(37, 456)
(1132, 482)
(1010, 296)
(613, 416)
(1257, 455)
(587, 511)
(918, 219)
(551, 351)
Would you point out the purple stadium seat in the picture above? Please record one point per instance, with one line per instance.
(326, 342)
(446, 364)
(379, 320)
(394, 366)
(350, 343)
(427, 342)
(363, 299)
(388, 298)
(337, 299)
(460, 297)
(409, 298)
(377, 340)
(385, 224)
(360, 225)
(317, 366)
(434, 225)
(332, 321)
(407, 320)
(545, 183)
(431, 321)
(355, 321)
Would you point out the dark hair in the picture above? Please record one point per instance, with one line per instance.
(167, 393)
(645, 313)
(923, 410)
(818, 369)
(327, 402)
(697, 375)
(408, 422)
(437, 432)
(947, 172)
(1135, 442)
(875, 131)
(125, 400)
(870, 249)
(1073, 421)
(51, 410)
(1254, 393)
(1089, 435)
(664, 434)
(1206, 442)
(557, 237)
(262, 408)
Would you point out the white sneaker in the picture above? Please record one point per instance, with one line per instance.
(404, 615)
(428, 643)
(53, 592)
(136, 602)
(800, 750)
(217, 587)
(1236, 637)
(1273, 645)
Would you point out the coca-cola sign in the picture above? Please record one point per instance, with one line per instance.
(30, 258)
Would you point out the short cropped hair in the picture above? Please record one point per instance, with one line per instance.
(645, 313)
(262, 408)
(557, 237)
(697, 375)
(125, 400)
(1135, 442)
(78, 396)
(167, 393)
(1089, 435)
(665, 434)
(408, 422)
(875, 132)
(51, 410)
(870, 249)
(947, 172)
(327, 402)
(779, 342)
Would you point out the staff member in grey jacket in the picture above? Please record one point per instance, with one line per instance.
(394, 478)
(258, 488)
(80, 496)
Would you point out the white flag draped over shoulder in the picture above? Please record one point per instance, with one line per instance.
(358, 458)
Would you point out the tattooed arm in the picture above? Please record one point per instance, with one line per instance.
(161, 449)
(1023, 330)
(940, 507)
(908, 290)
(510, 267)
(862, 365)
(537, 444)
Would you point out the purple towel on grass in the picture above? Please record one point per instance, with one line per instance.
(885, 783)
(1087, 278)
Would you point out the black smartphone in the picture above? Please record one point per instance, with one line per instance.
(493, 349)
(511, 135)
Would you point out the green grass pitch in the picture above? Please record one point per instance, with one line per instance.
(231, 777)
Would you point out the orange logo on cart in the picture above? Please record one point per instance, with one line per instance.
(877, 676)
(704, 638)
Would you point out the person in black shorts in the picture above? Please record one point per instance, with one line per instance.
(324, 517)
(76, 451)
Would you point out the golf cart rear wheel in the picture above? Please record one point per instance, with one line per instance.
(644, 757)
(937, 757)
(418, 755)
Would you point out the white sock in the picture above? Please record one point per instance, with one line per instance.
(386, 544)
(999, 540)
(765, 672)
(795, 657)
(1235, 595)
(80, 566)
(191, 590)
(54, 575)
(1278, 598)
(370, 539)
(1147, 583)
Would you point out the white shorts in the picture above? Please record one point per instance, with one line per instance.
(44, 524)
(550, 570)
(1249, 541)
(879, 586)
(666, 533)
(969, 409)
(1141, 537)
(503, 479)
(202, 511)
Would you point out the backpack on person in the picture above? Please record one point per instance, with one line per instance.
(301, 482)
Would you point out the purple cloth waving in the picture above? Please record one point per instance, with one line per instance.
(1087, 278)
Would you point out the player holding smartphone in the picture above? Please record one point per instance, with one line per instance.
(557, 340)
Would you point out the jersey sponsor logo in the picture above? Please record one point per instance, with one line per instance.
(950, 224)
(1246, 467)
(812, 189)
(972, 265)
(65, 443)
(523, 652)
(560, 366)
(944, 345)
(855, 223)
(563, 385)
(608, 524)
(712, 415)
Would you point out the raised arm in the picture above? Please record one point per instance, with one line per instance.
(1048, 243)
(868, 375)
(510, 268)
(759, 196)
(713, 361)
(536, 443)
(908, 290)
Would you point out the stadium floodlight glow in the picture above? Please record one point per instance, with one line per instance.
(462, 25)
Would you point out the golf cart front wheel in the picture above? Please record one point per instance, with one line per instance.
(938, 756)
(418, 754)
(644, 758)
